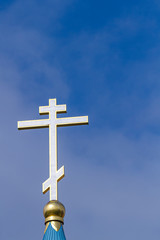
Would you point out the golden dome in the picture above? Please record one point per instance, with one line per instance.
(54, 211)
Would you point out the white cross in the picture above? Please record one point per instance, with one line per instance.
(52, 122)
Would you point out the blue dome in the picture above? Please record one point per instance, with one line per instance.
(51, 234)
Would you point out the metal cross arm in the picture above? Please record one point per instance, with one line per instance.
(52, 106)
(50, 181)
(71, 121)
(33, 124)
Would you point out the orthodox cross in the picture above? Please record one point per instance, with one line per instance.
(52, 123)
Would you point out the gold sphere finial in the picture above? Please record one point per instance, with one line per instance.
(54, 211)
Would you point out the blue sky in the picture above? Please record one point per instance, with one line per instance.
(102, 59)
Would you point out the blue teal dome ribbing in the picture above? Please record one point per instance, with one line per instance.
(51, 234)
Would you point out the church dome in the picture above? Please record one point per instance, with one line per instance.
(54, 212)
